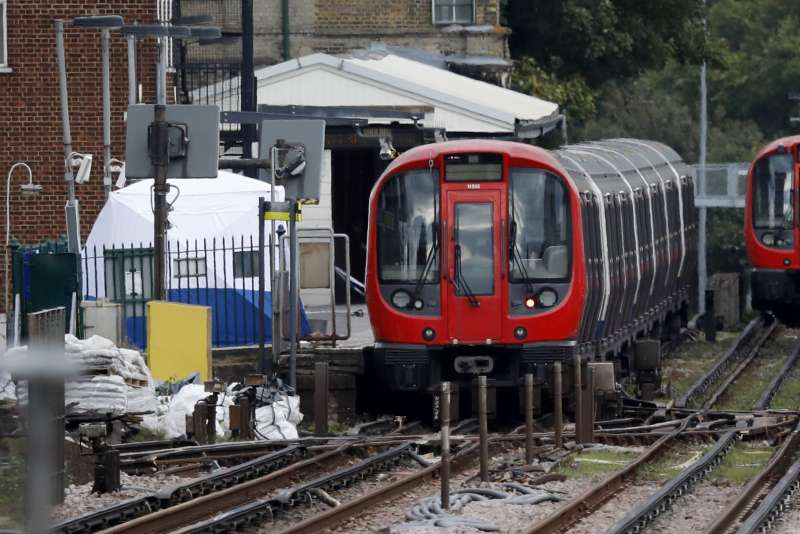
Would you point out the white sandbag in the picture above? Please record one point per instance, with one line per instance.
(141, 399)
(8, 391)
(279, 419)
(97, 394)
(73, 344)
(157, 422)
(183, 403)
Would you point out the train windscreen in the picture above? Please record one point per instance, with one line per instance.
(407, 228)
(772, 192)
(539, 231)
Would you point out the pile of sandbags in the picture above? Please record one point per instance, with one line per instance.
(116, 380)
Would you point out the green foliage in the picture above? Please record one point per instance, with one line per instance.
(601, 40)
(572, 94)
(724, 227)
(759, 64)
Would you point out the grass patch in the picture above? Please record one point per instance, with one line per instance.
(748, 388)
(693, 358)
(743, 462)
(788, 395)
(670, 464)
(595, 462)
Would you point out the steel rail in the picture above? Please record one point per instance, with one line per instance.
(775, 503)
(131, 509)
(183, 514)
(723, 362)
(731, 377)
(597, 495)
(335, 516)
(766, 398)
(257, 511)
(636, 520)
(741, 505)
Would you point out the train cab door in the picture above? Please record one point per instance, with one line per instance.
(474, 266)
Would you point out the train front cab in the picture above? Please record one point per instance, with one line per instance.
(475, 268)
(771, 229)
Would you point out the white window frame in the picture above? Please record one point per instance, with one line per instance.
(453, 21)
(4, 40)
(245, 261)
(189, 267)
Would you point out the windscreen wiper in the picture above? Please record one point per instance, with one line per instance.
(517, 257)
(461, 282)
(432, 253)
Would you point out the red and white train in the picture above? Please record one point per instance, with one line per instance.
(500, 258)
(771, 229)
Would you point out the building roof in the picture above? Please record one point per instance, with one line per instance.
(378, 78)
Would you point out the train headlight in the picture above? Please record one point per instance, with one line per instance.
(401, 299)
(768, 239)
(547, 298)
(428, 334)
(520, 332)
(418, 304)
(530, 303)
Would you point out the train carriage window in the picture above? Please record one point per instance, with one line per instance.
(772, 192)
(540, 243)
(408, 235)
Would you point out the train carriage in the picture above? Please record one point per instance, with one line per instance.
(771, 229)
(500, 258)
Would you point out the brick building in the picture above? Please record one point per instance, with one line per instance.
(30, 113)
(458, 29)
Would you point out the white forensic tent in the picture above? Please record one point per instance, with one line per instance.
(212, 246)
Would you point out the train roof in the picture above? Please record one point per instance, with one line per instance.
(604, 161)
(773, 145)
(512, 148)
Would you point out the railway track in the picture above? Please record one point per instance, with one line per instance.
(648, 511)
(593, 498)
(708, 389)
(765, 495)
(706, 392)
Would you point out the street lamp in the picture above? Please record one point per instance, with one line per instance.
(105, 24)
(27, 189)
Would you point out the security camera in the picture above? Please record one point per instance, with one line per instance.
(387, 150)
(85, 170)
(294, 162)
(118, 167)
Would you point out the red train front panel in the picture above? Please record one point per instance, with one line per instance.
(771, 228)
(474, 264)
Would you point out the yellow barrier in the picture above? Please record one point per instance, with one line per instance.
(178, 340)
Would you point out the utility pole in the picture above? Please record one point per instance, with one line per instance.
(248, 81)
(702, 272)
(159, 152)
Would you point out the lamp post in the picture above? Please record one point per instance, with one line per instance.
(30, 189)
(105, 24)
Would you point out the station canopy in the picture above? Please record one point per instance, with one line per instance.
(375, 78)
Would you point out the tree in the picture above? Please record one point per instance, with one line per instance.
(602, 40)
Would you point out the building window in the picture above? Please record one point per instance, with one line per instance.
(453, 11)
(245, 264)
(3, 33)
(189, 267)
